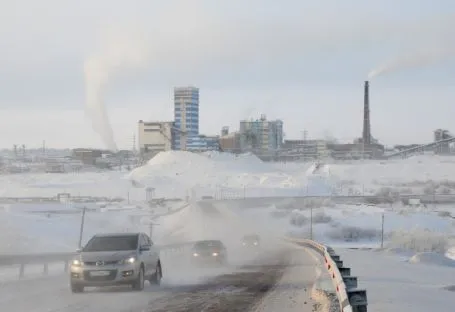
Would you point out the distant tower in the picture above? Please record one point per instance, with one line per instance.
(186, 115)
(366, 116)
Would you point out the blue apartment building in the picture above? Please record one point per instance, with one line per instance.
(186, 122)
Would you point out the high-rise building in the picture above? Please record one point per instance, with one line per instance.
(186, 115)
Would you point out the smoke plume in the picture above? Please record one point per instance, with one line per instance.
(419, 59)
(119, 51)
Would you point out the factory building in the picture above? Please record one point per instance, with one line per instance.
(230, 142)
(261, 135)
(305, 149)
(155, 136)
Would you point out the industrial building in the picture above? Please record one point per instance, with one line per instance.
(261, 135)
(230, 142)
(87, 156)
(305, 149)
(155, 136)
(203, 143)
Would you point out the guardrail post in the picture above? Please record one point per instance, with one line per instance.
(358, 300)
(66, 265)
(21, 270)
(350, 282)
(45, 269)
(345, 272)
(339, 263)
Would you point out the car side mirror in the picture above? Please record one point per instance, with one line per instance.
(144, 248)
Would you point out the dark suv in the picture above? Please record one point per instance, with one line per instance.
(252, 240)
(209, 252)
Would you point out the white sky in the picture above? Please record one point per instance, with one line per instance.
(301, 61)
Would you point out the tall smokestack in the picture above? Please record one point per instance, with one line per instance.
(366, 115)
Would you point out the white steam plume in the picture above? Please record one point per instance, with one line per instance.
(119, 51)
(419, 59)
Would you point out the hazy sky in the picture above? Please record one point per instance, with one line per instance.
(302, 61)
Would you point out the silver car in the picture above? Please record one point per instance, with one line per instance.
(116, 259)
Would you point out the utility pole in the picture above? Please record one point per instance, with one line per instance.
(305, 145)
(82, 227)
(382, 231)
(311, 222)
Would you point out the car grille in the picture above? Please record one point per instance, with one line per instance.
(110, 277)
(93, 263)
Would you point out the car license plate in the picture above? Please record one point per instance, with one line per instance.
(99, 273)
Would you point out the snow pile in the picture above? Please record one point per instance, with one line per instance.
(177, 172)
(451, 252)
(432, 258)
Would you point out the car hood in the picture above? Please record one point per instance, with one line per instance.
(106, 255)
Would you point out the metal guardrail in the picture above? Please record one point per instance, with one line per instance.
(345, 199)
(23, 260)
(350, 298)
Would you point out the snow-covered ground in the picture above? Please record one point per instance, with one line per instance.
(420, 239)
(29, 228)
(178, 174)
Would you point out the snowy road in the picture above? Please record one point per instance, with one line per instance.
(276, 280)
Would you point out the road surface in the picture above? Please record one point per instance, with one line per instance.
(278, 277)
(277, 280)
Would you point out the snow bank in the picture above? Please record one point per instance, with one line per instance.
(177, 172)
(432, 258)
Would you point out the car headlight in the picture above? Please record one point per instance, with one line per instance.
(244, 244)
(255, 243)
(76, 262)
(215, 254)
(129, 260)
(195, 254)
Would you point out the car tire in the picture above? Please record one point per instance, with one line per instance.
(138, 285)
(156, 278)
(76, 288)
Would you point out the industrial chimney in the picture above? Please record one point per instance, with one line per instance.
(366, 116)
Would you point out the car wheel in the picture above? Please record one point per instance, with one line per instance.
(139, 283)
(156, 278)
(76, 288)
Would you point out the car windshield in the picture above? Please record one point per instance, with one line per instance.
(208, 245)
(251, 238)
(111, 243)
